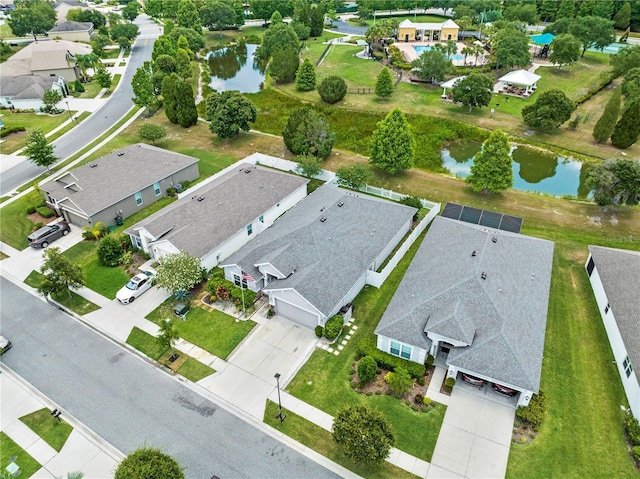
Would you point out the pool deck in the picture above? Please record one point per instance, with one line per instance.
(410, 54)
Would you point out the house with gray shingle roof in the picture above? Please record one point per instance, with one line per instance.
(615, 279)
(119, 184)
(72, 31)
(54, 58)
(216, 219)
(478, 296)
(26, 92)
(315, 259)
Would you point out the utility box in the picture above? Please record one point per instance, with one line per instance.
(119, 220)
(181, 309)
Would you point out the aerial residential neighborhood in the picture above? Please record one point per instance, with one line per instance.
(309, 239)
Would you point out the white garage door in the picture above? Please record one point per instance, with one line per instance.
(298, 315)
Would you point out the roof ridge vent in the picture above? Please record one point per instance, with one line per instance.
(474, 252)
(483, 275)
(323, 219)
(120, 153)
(494, 239)
(340, 204)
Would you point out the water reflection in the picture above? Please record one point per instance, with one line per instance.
(235, 68)
(533, 170)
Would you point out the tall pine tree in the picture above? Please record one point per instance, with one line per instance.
(491, 170)
(566, 9)
(607, 122)
(384, 84)
(392, 143)
(627, 129)
(186, 111)
(169, 96)
(306, 76)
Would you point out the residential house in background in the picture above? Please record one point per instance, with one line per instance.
(615, 279)
(119, 184)
(55, 58)
(216, 219)
(26, 92)
(315, 259)
(72, 31)
(477, 297)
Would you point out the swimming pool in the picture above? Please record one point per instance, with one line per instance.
(423, 48)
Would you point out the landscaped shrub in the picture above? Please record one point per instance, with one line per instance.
(31, 210)
(333, 327)
(632, 427)
(534, 412)
(332, 89)
(45, 211)
(221, 289)
(430, 360)
(110, 250)
(399, 381)
(636, 453)
(367, 369)
(319, 331)
(427, 401)
(77, 86)
(13, 129)
(418, 399)
(414, 202)
(449, 383)
(367, 347)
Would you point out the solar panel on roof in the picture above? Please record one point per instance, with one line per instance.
(476, 216)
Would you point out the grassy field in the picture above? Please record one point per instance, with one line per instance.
(320, 440)
(8, 449)
(30, 121)
(101, 279)
(147, 344)
(54, 431)
(399, 18)
(214, 331)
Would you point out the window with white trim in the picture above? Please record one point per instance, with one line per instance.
(249, 229)
(156, 188)
(138, 197)
(401, 350)
(137, 242)
(261, 219)
(626, 365)
(236, 280)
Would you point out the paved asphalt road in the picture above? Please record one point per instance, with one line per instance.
(94, 126)
(131, 403)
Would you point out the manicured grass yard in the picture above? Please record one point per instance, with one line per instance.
(329, 378)
(31, 121)
(8, 449)
(320, 440)
(54, 432)
(15, 224)
(101, 279)
(76, 303)
(190, 368)
(215, 331)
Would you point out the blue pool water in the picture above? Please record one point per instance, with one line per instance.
(423, 48)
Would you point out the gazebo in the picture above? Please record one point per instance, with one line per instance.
(521, 78)
(450, 84)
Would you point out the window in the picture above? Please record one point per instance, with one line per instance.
(401, 350)
(236, 280)
(156, 188)
(626, 365)
(249, 229)
(138, 198)
(607, 308)
(136, 241)
(261, 219)
(590, 266)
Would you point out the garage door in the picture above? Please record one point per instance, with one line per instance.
(298, 315)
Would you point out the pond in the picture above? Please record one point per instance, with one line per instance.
(235, 68)
(533, 170)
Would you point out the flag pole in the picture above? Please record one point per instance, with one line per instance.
(244, 312)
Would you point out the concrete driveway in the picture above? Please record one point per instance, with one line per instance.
(276, 345)
(475, 436)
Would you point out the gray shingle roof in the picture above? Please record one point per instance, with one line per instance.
(230, 203)
(69, 26)
(326, 258)
(42, 56)
(27, 87)
(117, 176)
(503, 316)
(619, 271)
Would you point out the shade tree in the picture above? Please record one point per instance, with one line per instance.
(550, 110)
(229, 112)
(59, 274)
(432, 65)
(475, 90)
(491, 170)
(38, 151)
(565, 50)
(615, 182)
(179, 272)
(32, 17)
(593, 32)
(392, 143)
(307, 133)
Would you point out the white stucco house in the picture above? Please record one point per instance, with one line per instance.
(216, 219)
(478, 297)
(315, 259)
(615, 279)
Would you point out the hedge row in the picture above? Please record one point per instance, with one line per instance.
(604, 80)
(13, 129)
(388, 361)
(534, 412)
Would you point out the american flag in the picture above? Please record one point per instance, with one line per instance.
(248, 277)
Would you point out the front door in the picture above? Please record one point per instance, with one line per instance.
(406, 37)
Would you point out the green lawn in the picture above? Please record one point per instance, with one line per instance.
(144, 342)
(8, 449)
(324, 380)
(76, 303)
(101, 279)
(54, 432)
(399, 18)
(214, 331)
(15, 224)
(30, 121)
(320, 440)
(341, 61)
(34, 279)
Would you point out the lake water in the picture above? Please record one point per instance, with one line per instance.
(533, 170)
(234, 68)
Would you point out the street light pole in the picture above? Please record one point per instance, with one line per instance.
(69, 110)
(279, 415)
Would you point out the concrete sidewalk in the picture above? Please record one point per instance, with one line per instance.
(83, 451)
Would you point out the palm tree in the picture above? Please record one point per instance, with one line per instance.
(450, 48)
(85, 61)
(467, 50)
(477, 50)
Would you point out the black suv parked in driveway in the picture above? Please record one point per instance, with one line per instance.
(47, 234)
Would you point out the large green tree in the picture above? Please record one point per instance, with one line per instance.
(511, 49)
(353, 176)
(229, 112)
(550, 110)
(631, 86)
(622, 19)
(432, 65)
(316, 20)
(217, 16)
(627, 129)
(626, 59)
(332, 89)
(284, 65)
(565, 50)
(126, 30)
(307, 133)
(32, 17)
(164, 45)
(38, 151)
(149, 463)
(384, 84)
(607, 122)
(475, 90)
(593, 32)
(491, 170)
(131, 10)
(179, 272)
(188, 16)
(615, 182)
(363, 433)
(142, 85)
(59, 274)
(169, 83)
(195, 39)
(306, 76)
(279, 36)
(566, 9)
(392, 143)
(186, 111)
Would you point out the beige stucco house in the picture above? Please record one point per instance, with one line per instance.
(72, 31)
(431, 32)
